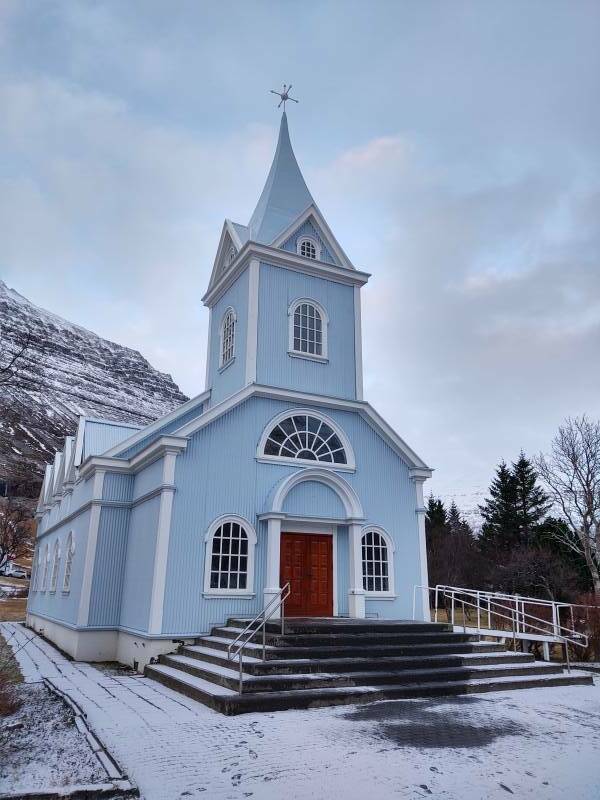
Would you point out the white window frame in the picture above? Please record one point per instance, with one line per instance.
(246, 593)
(222, 363)
(324, 357)
(231, 254)
(315, 244)
(390, 594)
(46, 565)
(70, 553)
(349, 466)
(55, 566)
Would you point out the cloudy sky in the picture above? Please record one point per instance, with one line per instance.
(453, 147)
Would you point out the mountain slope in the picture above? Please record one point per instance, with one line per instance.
(64, 371)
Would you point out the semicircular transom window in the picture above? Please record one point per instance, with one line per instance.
(301, 436)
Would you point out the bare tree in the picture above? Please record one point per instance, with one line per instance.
(14, 359)
(571, 472)
(16, 530)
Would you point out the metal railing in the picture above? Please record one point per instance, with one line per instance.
(236, 648)
(498, 614)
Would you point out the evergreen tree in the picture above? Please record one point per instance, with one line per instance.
(500, 530)
(532, 503)
(436, 516)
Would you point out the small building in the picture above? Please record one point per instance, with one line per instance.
(280, 471)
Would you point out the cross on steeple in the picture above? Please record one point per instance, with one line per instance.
(285, 95)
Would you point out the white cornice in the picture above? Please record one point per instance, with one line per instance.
(287, 260)
(157, 449)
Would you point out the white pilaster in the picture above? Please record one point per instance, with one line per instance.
(356, 593)
(272, 583)
(161, 549)
(252, 337)
(90, 551)
(419, 477)
(358, 344)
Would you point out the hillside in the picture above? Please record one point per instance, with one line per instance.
(65, 370)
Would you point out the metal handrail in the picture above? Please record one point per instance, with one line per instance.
(494, 604)
(237, 646)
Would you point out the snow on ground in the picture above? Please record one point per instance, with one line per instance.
(28, 762)
(543, 743)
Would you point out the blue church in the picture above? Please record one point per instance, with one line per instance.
(279, 471)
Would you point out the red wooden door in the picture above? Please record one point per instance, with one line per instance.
(307, 563)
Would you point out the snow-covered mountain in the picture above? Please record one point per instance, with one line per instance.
(65, 371)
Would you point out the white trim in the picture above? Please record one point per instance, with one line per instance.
(228, 231)
(230, 310)
(70, 555)
(343, 489)
(286, 260)
(252, 331)
(319, 220)
(208, 538)
(350, 464)
(419, 477)
(161, 549)
(56, 555)
(154, 426)
(323, 356)
(311, 240)
(208, 351)
(390, 594)
(274, 393)
(90, 552)
(358, 344)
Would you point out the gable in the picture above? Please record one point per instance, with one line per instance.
(312, 230)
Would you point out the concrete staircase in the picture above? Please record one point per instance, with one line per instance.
(323, 662)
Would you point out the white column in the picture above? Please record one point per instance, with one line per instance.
(419, 480)
(356, 593)
(272, 576)
(252, 336)
(161, 548)
(90, 550)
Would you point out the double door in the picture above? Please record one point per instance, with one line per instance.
(307, 563)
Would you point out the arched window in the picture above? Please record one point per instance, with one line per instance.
(229, 567)
(69, 563)
(305, 436)
(46, 565)
(308, 330)
(377, 568)
(308, 248)
(231, 255)
(55, 566)
(227, 337)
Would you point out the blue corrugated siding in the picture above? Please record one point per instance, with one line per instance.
(107, 582)
(233, 377)
(308, 229)
(148, 478)
(277, 289)
(98, 437)
(165, 429)
(60, 606)
(314, 495)
(117, 487)
(139, 565)
(218, 474)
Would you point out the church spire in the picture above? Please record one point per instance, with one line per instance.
(285, 195)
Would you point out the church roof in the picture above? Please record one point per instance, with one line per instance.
(285, 195)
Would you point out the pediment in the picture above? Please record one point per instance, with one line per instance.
(312, 224)
(230, 244)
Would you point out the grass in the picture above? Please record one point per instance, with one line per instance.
(10, 675)
(13, 609)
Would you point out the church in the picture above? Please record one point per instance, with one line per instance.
(278, 472)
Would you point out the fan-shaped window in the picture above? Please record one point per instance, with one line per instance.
(227, 337)
(307, 438)
(376, 562)
(230, 557)
(55, 566)
(69, 563)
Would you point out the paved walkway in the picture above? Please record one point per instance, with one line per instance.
(540, 742)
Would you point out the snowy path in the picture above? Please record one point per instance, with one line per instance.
(540, 742)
